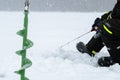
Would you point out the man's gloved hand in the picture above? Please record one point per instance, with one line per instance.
(95, 25)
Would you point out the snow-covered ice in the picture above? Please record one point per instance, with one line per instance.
(49, 31)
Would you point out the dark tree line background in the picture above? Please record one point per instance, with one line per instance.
(59, 5)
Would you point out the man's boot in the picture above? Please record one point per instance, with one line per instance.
(83, 49)
(105, 61)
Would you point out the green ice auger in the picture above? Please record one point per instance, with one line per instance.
(25, 62)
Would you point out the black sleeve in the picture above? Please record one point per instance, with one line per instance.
(116, 11)
(106, 16)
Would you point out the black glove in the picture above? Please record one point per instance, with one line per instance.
(95, 25)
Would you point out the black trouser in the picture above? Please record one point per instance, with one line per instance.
(113, 47)
(97, 43)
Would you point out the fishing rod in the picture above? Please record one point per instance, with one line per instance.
(75, 39)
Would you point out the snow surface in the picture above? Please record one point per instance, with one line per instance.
(49, 31)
